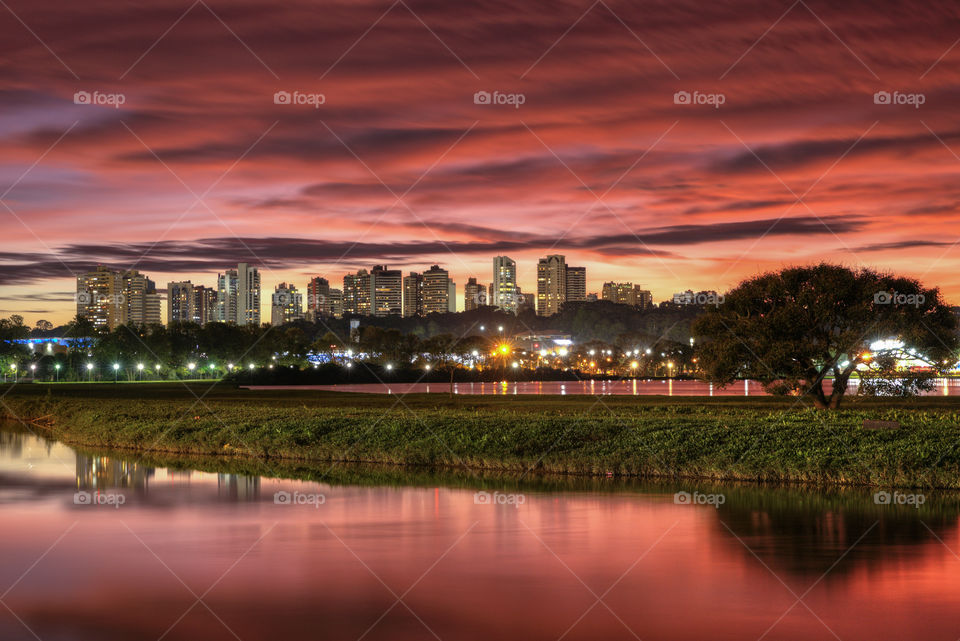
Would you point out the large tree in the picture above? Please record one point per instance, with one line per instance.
(794, 328)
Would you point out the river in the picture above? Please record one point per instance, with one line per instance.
(101, 547)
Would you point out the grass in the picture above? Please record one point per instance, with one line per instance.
(719, 438)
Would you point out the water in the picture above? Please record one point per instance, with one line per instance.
(403, 555)
(629, 387)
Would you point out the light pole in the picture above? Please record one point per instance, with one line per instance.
(89, 372)
(140, 371)
(57, 368)
(116, 372)
(191, 367)
(13, 366)
(157, 368)
(33, 370)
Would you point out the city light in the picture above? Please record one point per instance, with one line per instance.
(427, 368)
(634, 365)
(191, 366)
(389, 367)
(252, 365)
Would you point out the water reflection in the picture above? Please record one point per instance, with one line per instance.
(467, 568)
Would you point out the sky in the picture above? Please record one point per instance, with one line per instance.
(676, 144)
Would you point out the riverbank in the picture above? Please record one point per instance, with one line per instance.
(756, 439)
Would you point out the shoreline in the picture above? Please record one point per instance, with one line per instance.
(756, 443)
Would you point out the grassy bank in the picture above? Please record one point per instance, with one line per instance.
(757, 439)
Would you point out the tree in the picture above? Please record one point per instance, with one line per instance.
(793, 328)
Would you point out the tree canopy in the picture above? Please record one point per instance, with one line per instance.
(794, 328)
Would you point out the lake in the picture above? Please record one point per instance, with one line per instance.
(628, 387)
(102, 547)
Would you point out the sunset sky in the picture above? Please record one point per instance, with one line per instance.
(199, 168)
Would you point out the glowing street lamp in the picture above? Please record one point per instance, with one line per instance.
(140, 371)
(57, 368)
(89, 371)
(116, 372)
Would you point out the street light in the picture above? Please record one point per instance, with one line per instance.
(116, 372)
(140, 370)
(89, 371)
(57, 367)
(13, 367)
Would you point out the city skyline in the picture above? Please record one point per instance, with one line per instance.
(690, 146)
(104, 295)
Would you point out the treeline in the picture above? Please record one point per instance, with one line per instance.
(600, 321)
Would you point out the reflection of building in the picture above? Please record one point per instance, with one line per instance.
(104, 473)
(237, 487)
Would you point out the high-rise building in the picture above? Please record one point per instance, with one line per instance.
(436, 290)
(551, 284)
(413, 294)
(109, 298)
(318, 298)
(356, 293)
(627, 294)
(386, 291)
(204, 305)
(503, 291)
(189, 303)
(286, 305)
(142, 299)
(336, 303)
(180, 301)
(474, 295)
(451, 297)
(238, 295)
(576, 284)
(100, 297)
